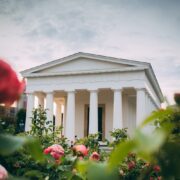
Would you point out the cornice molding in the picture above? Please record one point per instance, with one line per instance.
(84, 55)
(84, 72)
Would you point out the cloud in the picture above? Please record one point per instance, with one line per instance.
(34, 32)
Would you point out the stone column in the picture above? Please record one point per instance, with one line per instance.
(58, 113)
(30, 106)
(117, 110)
(49, 106)
(64, 115)
(93, 112)
(140, 106)
(70, 116)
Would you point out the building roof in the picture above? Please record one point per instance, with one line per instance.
(129, 65)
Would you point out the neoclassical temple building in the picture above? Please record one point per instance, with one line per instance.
(88, 93)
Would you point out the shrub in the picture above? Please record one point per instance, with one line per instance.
(20, 120)
(118, 135)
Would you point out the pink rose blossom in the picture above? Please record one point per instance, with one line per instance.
(81, 149)
(95, 156)
(3, 173)
(56, 151)
(131, 165)
(80, 157)
(47, 150)
(156, 168)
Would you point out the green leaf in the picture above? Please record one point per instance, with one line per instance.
(36, 174)
(96, 170)
(99, 170)
(82, 167)
(146, 145)
(120, 153)
(35, 149)
(9, 144)
(160, 115)
(149, 143)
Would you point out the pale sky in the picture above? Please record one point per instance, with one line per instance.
(33, 32)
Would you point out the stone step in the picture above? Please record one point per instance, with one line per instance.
(106, 149)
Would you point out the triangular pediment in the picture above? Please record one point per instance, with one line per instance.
(83, 62)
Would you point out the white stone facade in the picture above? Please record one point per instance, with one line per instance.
(93, 93)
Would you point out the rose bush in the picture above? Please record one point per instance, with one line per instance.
(10, 86)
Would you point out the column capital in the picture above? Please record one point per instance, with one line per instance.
(40, 93)
(70, 90)
(141, 89)
(117, 89)
(30, 93)
(49, 92)
(93, 90)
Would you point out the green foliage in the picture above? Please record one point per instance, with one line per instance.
(22, 165)
(119, 135)
(28, 159)
(54, 138)
(131, 167)
(161, 147)
(95, 171)
(91, 142)
(7, 125)
(40, 125)
(9, 144)
(20, 120)
(177, 98)
(130, 159)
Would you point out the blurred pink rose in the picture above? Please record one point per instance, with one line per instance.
(47, 150)
(10, 86)
(156, 168)
(80, 157)
(95, 156)
(81, 149)
(131, 165)
(56, 151)
(3, 173)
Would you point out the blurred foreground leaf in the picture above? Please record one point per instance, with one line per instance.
(160, 115)
(96, 170)
(10, 144)
(34, 147)
(120, 152)
(142, 144)
(168, 158)
(146, 145)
